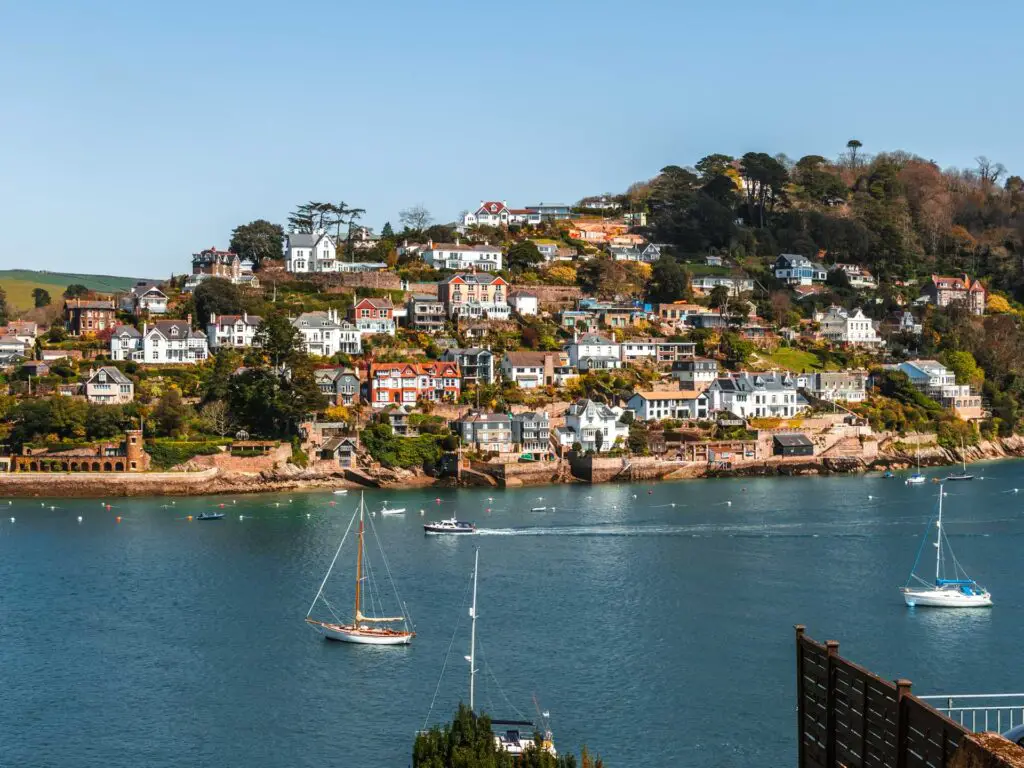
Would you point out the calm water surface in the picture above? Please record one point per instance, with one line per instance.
(658, 635)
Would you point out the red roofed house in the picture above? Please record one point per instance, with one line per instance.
(943, 291)
(491, 213)
(373, 315)
(524, 216)
(408, 383)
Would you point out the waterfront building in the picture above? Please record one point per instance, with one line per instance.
(532, 432)
(756, 395)
(586, 418)
(939, 383)
(484, 431)
(125, 456)
(669, 404)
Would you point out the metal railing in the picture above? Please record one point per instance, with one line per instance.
(981, 712)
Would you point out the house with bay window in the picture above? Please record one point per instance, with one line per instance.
(408, 383)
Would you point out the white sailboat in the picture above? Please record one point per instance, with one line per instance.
(917, 478)
(961, 591)
(963, 474)
(362, 629)
(510, 735)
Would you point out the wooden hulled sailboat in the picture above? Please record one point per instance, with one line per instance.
(362, 629)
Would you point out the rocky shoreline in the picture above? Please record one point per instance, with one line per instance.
(893, 454)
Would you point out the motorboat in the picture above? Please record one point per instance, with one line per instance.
(451, 525)
(210, 516)
(959, 591)
(386, 510)
(538, 509)
(341, 492)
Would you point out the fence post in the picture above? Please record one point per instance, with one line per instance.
(832, 646)
(800, 629)
(902, 721)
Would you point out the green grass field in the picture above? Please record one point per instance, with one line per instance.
(796, 360)
(19, 284)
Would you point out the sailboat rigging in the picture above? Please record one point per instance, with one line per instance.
(963, 474)
(507, 734)
(363, 629)
(960, 591)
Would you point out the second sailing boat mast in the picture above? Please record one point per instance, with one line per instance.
(938, 540)
(472, 635)
(359, 560)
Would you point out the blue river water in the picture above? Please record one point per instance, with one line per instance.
(654, 623)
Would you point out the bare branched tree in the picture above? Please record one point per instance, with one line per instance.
(417, 217)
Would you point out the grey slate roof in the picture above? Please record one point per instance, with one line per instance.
(127, 330)
(112, 373)
(754, 382)
(791, 441)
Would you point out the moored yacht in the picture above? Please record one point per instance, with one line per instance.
(451, 525)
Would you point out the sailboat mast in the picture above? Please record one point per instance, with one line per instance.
(472, 636)
(359, 559)
(938, 539)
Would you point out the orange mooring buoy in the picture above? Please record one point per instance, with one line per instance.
(118, 518)
(189, 517)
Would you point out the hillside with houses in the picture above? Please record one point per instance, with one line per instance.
(743, 312)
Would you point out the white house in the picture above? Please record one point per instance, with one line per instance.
(163, 342)
(586, 418)
(859, 277)
(145, 296)
(530, 369)
(310, 252)
(458, 256)
(754, 395)
(593, 351)
(490, 213)
(236, 331)
(842, 327)
(108, 386)
(838, 386)
(695, 373)
(673, 404)
(524, 302)
(325, 334)
(704, 284)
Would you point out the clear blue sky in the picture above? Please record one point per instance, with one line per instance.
(134, 133)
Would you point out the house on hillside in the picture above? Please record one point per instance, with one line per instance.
(943, 291)
(838, 386)
(374, 315)
(475, 363)
(145, 296)
(108, 386)
(82, 316)
(340, 385)
(757, 395)
(310, 252)
(586, 419)
(426, 313)
(532, 432)
(795, 269)
(490, 213)
(235, 331)
(695, 372)
(475, 295)
(669, 404)
(841, 326)
(325, 334)
(939, 383)
(858, 276)
(408, 383)
(592, 351)
(524, 302)
(530, 369)
(461, 256)
(165, 342)
(484, 431)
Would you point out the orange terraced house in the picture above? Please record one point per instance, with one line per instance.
(408, 383)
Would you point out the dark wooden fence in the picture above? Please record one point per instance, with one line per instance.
(850, 718)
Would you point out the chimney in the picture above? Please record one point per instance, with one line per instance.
(144, 324)
(188, 318)
(458, 240)
(213, 318)
(245, 316)
(430, 243)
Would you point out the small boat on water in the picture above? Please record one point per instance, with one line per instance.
(451, 525)
(210, 516)
(917, 478)
(538, 509)
(960, 591)
(386, 510)
(362, 629)
(888, 474)
(963, 474)
(341, 492)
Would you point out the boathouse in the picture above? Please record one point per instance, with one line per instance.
(792, 445)
(126, 456)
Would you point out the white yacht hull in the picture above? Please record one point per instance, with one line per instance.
(400, 511)
(345, 633)
(945, 598)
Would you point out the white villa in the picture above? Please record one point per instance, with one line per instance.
(458, 256)
(163, 342)
(325, 334)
